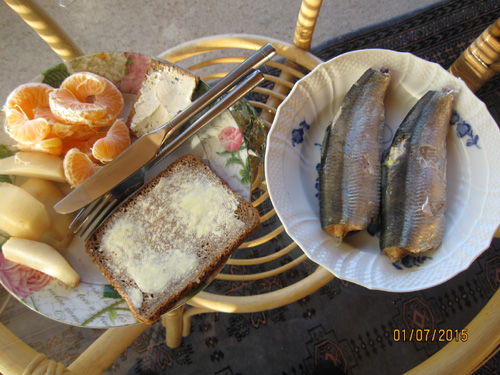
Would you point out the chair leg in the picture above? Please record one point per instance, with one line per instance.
(306, 22)
(172, 321)
(46, 27)
(481, 60)
(18, 358)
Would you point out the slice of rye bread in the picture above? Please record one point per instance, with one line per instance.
(165, 81)
(171, 237)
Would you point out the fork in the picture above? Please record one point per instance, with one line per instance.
(93, 215)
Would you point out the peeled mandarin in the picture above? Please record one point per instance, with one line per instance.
(116, 140)
(21, 107)
(87, 99)
(78, 167)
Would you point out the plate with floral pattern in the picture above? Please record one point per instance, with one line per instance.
(473, 183)
(94, 302)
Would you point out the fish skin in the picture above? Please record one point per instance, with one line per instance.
(350, 172)
(414, 179)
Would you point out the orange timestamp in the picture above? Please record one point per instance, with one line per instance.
(426, 335)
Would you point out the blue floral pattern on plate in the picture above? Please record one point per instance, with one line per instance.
(410, 261)
(464, 130)
(298, 133)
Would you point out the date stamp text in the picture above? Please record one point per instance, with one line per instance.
(427, 335)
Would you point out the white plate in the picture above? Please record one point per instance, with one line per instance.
(94, 302)
(293, 157)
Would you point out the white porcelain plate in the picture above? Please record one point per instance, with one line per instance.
(293, 157)
(94, 303)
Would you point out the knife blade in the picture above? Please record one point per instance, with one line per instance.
(146, 147)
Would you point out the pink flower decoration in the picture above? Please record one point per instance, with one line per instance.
(21, 280)
(136, 70)
(231, 138)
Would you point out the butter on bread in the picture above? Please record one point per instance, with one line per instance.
(171, 237)
(165, 91)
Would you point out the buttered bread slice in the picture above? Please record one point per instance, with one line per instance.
(171, 237)
(166, 90)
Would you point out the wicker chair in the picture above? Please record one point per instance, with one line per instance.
(475, 66)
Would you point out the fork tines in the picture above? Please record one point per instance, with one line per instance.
(93, 215)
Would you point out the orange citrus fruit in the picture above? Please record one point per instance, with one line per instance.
(82, 133)
(58, 128)
(78, 167)
(29, 97)
(84, 146)
(116, 140)
(79, 120)
(88, 99)
(112, 98)
(51, 146)
(20, 109)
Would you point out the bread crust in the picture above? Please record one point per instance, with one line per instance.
(245, 212)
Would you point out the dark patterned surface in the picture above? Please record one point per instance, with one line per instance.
(342, 325)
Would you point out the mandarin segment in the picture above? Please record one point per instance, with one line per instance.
(88, 99)
(116, 140)
(58, 128)
(52, 146)
(112, 99)
(84, 85)
(82, 132)
(20, 109)
(78, 167)
(25, 130)
(84, 146)
(29, 97)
